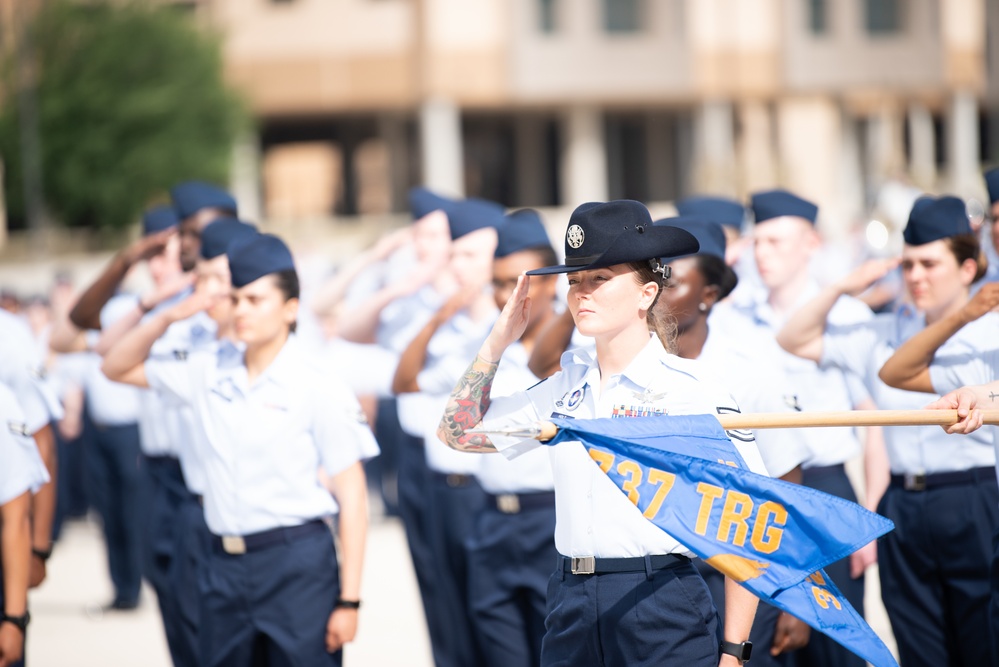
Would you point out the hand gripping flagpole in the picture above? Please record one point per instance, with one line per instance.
(545, 430)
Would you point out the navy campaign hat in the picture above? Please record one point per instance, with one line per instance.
(469, 215)
(158, 218)
(617, 232)
(992, 183)
(935, 218)
(521, 230)
(222, 233)
(709, 234)
(256, 257)
(192, 196)
(423, 202)
(724, 211)
(779, 203)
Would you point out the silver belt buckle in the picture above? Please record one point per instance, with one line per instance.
(233, 545)
(915, 481)
(584, 565)
(508, 503)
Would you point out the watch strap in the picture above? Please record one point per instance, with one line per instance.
(19, 621)
(741, 650)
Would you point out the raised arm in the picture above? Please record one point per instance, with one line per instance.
(909, 367)
(414, 357)
(86, 313)
(469, 400)
(148, 301)
(802, 334)
(550, 344)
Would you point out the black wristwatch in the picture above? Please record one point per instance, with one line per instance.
(41, 554)
(346, 604)
(742, 650)
(19, 621)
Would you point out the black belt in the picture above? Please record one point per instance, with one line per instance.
(243, 544)
(922, 481)
(824, 471)
(591, 565)
(453, 480)
(515, 503)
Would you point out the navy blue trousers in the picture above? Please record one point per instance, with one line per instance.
(631, 619)
(822, 651)
(510, 559)
(193, 546)
(269, 608)
(935, 572)
(115, 464)
(764, 625)
(452, 511)
(383, 470)
(994, 607)
(71, 497)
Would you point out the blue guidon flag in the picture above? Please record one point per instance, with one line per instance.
(771, 536)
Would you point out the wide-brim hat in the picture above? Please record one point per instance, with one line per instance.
(602, 234)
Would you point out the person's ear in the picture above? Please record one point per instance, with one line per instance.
(289, 311)
(709, 296)
(649, 291)
(967, 271)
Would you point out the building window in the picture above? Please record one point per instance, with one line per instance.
(546, 15)
(622, 15)
(817, 16)
(883, 17)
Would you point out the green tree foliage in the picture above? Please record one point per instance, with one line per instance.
(130, 100)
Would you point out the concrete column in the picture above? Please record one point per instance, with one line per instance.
(441, 147)
(962, 126)
(850, 200)
(887, 155)
(531, 161)
(244, 176)
(660, 157)
(714, 148)
(392, 129)
(584, 157)
(922, 150)
(757, 162)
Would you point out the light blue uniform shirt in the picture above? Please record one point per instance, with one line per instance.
(592, 516)
(815, 389)
(262, 445)
(531, 472)
(22, 469)
(22, 371)
(863, 348)
(111, 403)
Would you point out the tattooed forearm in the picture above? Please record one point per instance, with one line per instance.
(468, 402)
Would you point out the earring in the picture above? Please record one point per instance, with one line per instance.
(703, 307)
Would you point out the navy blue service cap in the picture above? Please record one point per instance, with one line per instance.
(158, 218)
(935, 218)
(724, 211)
(469, 215)
(222, 233)
(709, 234)
(256, 257)
(780, 203)
(521, 230)
(617, 232)
(192, 196)
(992, 183)
(423, 202)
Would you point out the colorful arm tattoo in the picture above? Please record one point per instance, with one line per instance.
(468, 403)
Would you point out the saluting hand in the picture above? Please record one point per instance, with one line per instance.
(512, 321)
(148, 246)
(985, 301)
(192, 305)
(341, 628)
(866, 275)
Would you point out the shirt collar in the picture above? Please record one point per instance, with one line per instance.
(642, 371)
(281, 371)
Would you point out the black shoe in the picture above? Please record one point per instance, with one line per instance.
(119, 604)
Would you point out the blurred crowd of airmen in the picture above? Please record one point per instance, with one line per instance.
(221, 431)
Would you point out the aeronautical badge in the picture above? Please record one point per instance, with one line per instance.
(649, 395)
(574, 236)
(18, 428)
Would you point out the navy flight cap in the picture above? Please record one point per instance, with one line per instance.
(780, 203)
(256, 257)
(521, 230)
(221, 233)
(423, 202)
(935, 218)
(617, 232)
(192, 196)
(709, 234)
(470, 215)
(992, 183)
(158, 218)
(724, 211)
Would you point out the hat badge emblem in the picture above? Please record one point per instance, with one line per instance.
(574, 236)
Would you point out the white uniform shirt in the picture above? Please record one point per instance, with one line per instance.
(21, 370)
(593, 517)
(815, 389)
(22, 467)
(758, 388)
(111, 403)
(532, 471)
(263, 444)
(863, 348)
(450, 351)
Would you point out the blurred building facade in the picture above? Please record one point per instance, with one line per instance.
(555, 102)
